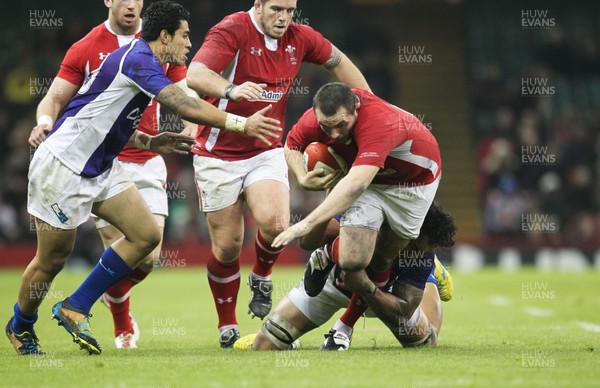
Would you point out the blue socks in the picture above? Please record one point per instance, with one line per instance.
(110, 270)
(22, 322)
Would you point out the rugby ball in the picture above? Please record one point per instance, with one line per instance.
(320, 155)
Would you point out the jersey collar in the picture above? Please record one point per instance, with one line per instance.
(107, 25)
(270, 43)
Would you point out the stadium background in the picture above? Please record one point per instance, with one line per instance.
(510, 89)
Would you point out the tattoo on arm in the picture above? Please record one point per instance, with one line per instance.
(176, 99)
(334, 59)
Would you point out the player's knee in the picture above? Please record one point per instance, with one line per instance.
(227, 251)
(427, 337)
(275, 225)
(53, 266)
(351, 265)
(53, 262)
(150, 240)
(279, 332)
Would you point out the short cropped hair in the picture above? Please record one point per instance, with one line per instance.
(330, 97)
(162, 15)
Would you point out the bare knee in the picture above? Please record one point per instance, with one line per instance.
(227, 250)
(275, 224)
(351, 264)
(52, 262)
(149, 241)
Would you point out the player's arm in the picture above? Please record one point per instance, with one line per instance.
(343, 195)
(344, 70)
(189, 128)
(320, 235)
(59, 94)
(207, 82)
(201, 112)
(313, 180)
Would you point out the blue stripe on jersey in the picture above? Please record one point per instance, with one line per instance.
(122, 129)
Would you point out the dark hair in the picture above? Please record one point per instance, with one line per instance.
(439, 227)
(330, 97)
(162, 15)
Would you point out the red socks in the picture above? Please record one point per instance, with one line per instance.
(266, 256)
(224, 281)
(332, 249)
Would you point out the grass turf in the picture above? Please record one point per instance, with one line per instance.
(501, 329)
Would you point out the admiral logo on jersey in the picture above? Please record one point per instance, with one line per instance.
(270, 96)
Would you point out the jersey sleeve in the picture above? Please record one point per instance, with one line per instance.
(72, 68)
(145, 71)
(176, 73)
(220, 45)
(318, 49)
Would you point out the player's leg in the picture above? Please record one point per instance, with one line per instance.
(431, 306)
(284, 326)
(410, 325)
(298, 313)
(128, 212)
(269, 203)
(150, 178)
(219, 185)
(53, 247)
(267, 194)
(226, 229)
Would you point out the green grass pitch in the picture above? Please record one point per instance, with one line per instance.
(501, 329)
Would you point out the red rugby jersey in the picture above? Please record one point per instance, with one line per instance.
(384, 136)
(237, 48)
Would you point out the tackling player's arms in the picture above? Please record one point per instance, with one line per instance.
(191, 109)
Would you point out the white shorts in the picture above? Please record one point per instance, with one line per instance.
(220, 182)
(62, 198)
(403, 207)
(151, 180)
(319, 309)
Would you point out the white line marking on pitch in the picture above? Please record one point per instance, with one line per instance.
(538, 312)
(588, 326)
(500, 300)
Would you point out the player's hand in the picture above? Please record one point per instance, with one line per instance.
(248, 90)
(38, 134)
(171, 143)
(357, 282)
(190, 130)
(259, 126)
(314, 180)
(300, 229)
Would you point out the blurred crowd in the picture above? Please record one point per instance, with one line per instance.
(536, 111)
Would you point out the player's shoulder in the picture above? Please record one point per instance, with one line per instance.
(238, 21)
(308, 119)
(300, 31)
(97, 34)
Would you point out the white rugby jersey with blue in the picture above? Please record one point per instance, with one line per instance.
(102, 116)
